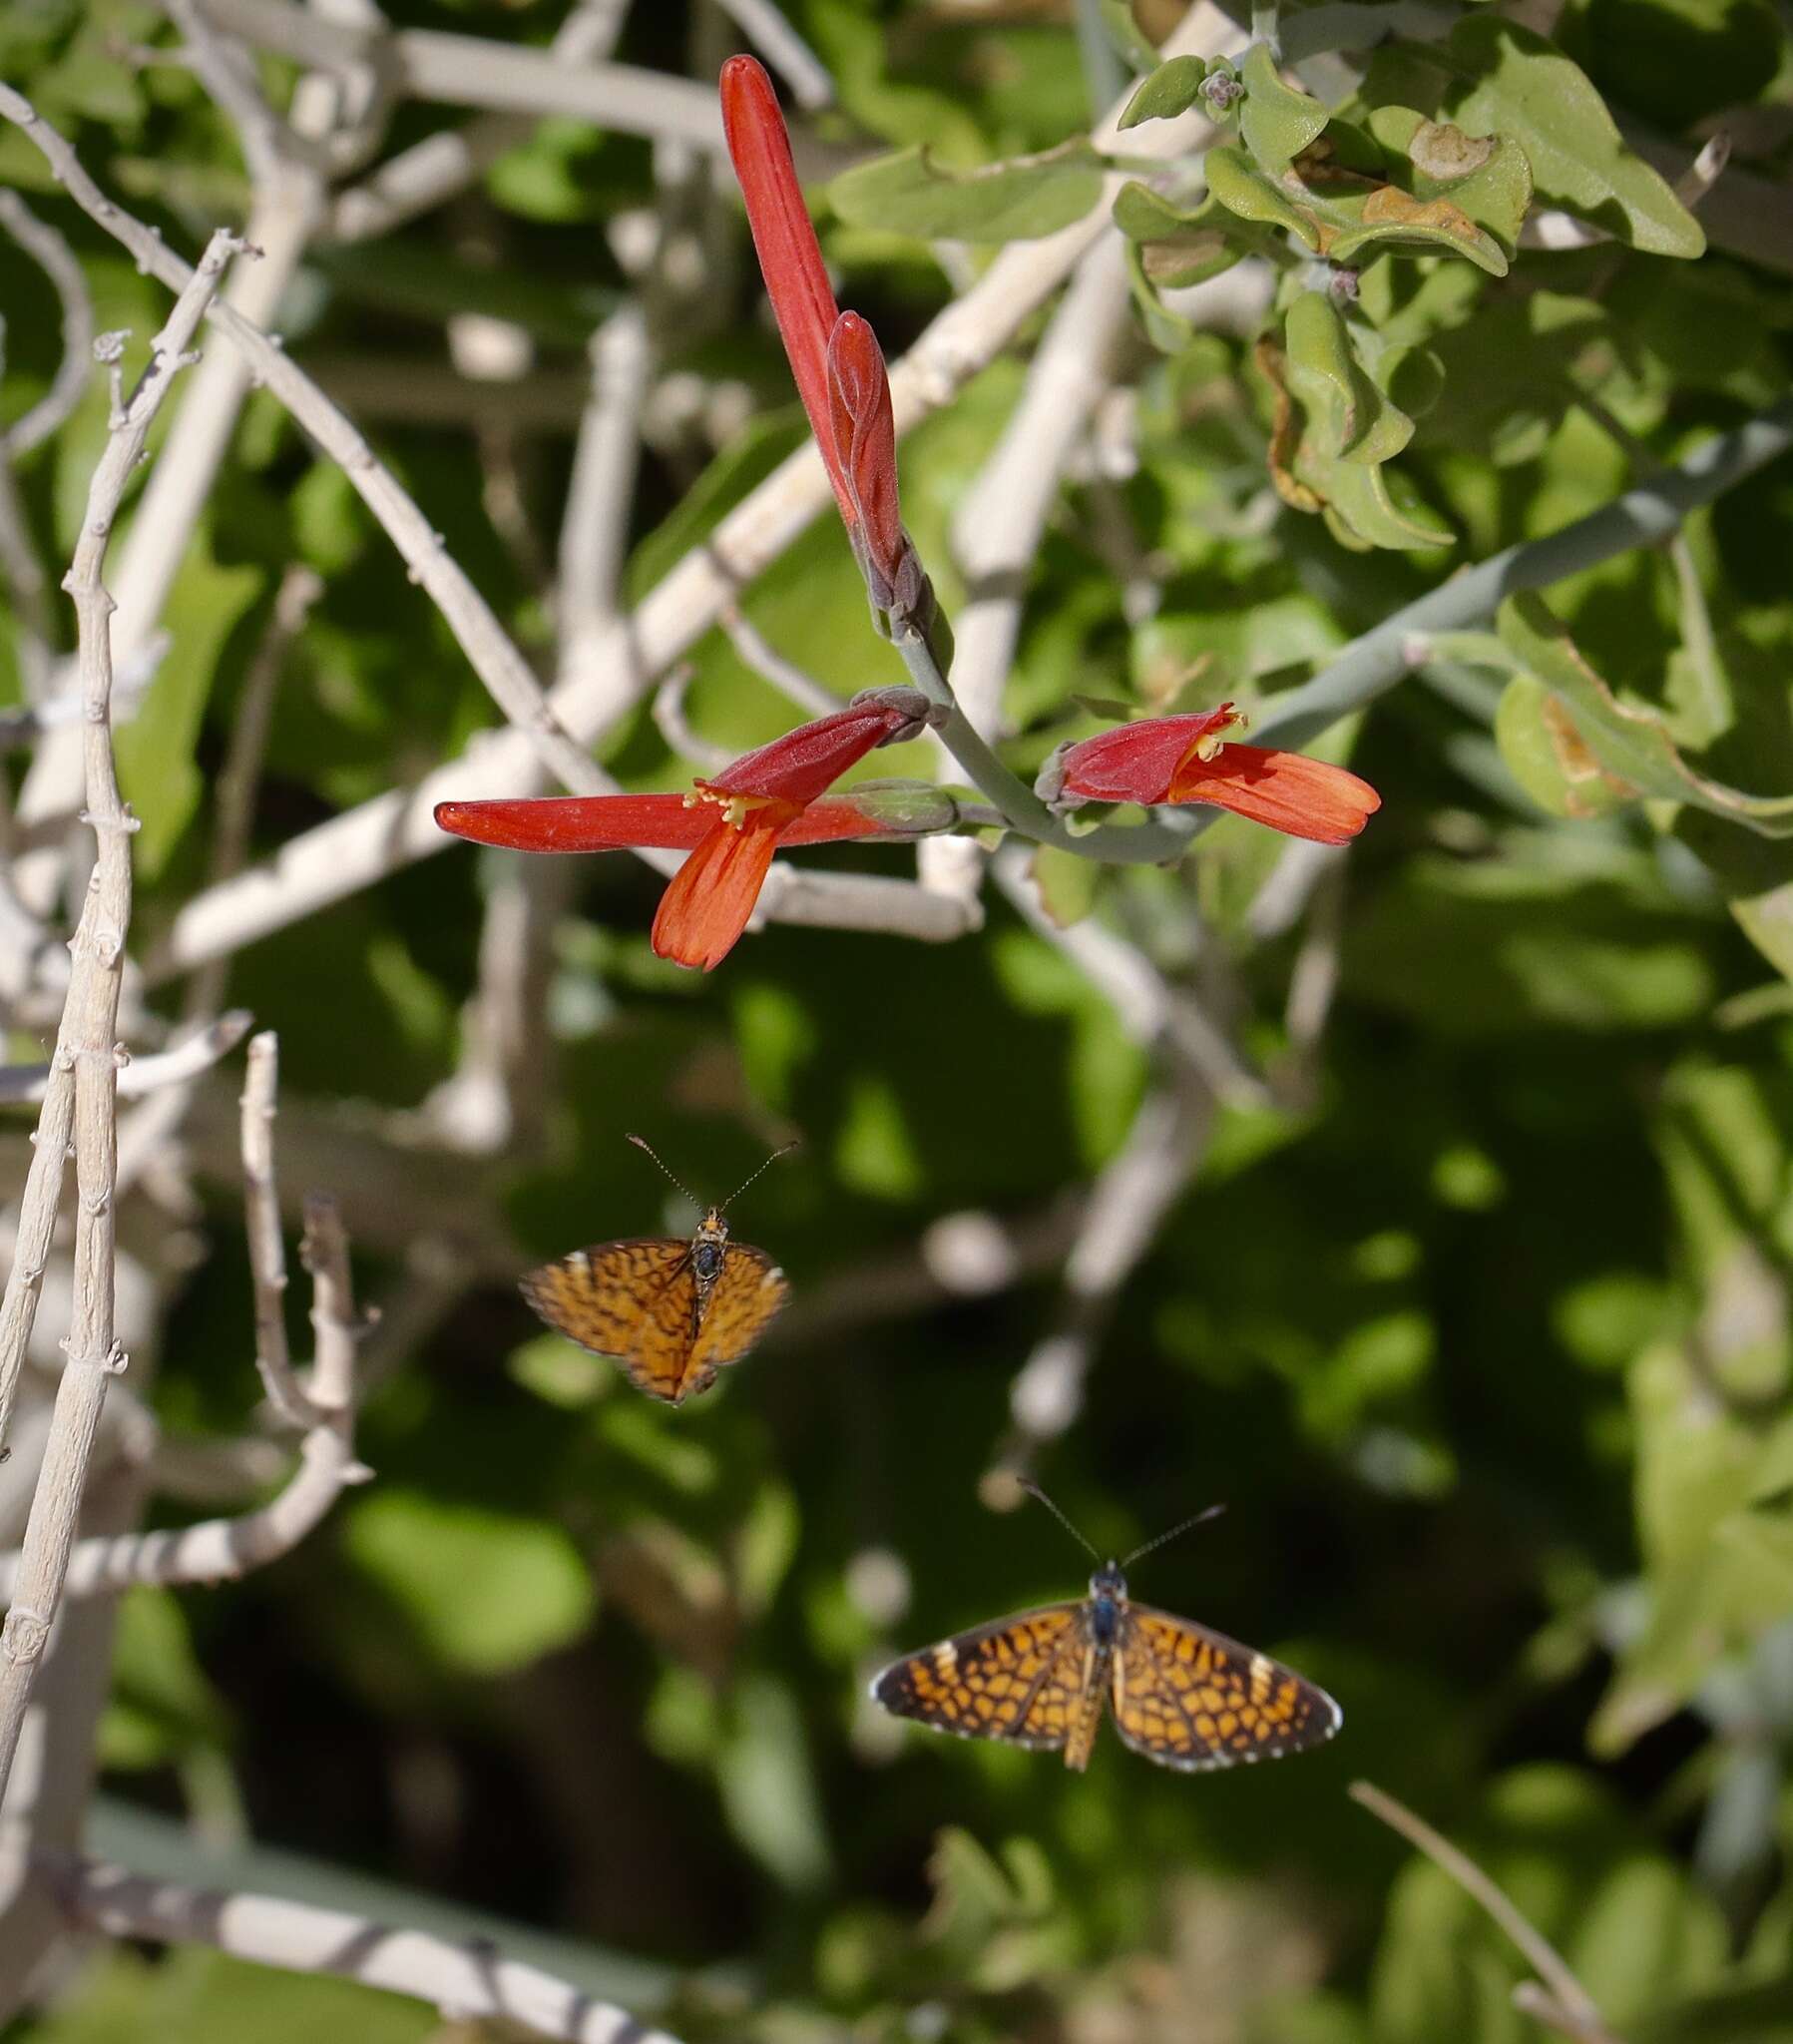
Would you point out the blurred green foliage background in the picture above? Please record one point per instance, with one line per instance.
(1481, 1329)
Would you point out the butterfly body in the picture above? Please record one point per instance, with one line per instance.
(1180, 1694)
(672, 1312)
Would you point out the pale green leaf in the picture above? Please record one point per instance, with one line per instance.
(1020, 199)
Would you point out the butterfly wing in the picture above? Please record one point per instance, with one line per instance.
(747, 1296)
(1193, 1698)
(1021, 1679)
(636, 1300)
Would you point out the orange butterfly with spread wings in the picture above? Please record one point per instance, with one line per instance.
(1182, 1694)
(672, 1313)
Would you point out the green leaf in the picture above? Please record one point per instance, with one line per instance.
(1485, 177)
(1342, 214)
(1169, 246)
(1334, 430)
(1633, 746)
(204, 1997)
(1755, 876)
(1017, 200)
(1549, 758)
(162, 1706)
(1066, 882)
(1342, 402)
(1166, 91)
(768, 1790)
(157, 773)
(1675, 62)
(1276, 121)
(484, 1590)
(1492, 77)
(1125, 34)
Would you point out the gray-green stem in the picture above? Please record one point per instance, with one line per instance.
(1373, 663)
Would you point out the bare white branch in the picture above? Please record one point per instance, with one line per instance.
(465, 1981)
(667, 705)
(261, 1226)
(196, 1052)
(82, 1100)
(764, 25)
(435, 168)
(998, 528)
(1150, 1008)
(758, 653)
(605, 455)
(473, 71)
(56, 259)
(1127, 1206)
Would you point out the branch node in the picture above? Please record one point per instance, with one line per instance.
(23, 1635)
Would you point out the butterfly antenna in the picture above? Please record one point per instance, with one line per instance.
(680, 1182)
(783, 1151)
(1033, 1490)
(1201, 1518)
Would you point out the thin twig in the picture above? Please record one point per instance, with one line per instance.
(196, 1052)
(261, 1226)
(464, 1981)
(436, 169)
(282, 213)
(56, 259)
(667, 705)
(497, 1099)
(19, 563)
(783, 49)
(605, 456)
(999, 524)
(1149, 1010)
(473, 71)
(1544, 1958)
(228, 73)
(238, 780)
(82, 1099)
(757, 652)
(1127, 1206)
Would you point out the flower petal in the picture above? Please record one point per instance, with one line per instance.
(865, 447)
(579, 822)
(799, 765)
(790, 257)
(708, 900)
(1135, 762)
(1301, 797)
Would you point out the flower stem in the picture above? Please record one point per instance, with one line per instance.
(1021, 809)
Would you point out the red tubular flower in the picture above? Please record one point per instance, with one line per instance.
(1166, 760)
(790, 257)
(834, 355)
(730, 825)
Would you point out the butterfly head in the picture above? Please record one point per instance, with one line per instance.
(709, 1246)
(1108, 1584)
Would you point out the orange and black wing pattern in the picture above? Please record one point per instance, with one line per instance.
(747, 1296)
(1193, 1698)
(636, 1300)
(1023, 1679)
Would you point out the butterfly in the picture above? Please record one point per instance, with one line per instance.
(672, 1312)
(1182, 1694)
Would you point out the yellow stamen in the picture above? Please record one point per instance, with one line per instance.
(1212, 744)
(736, 808)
